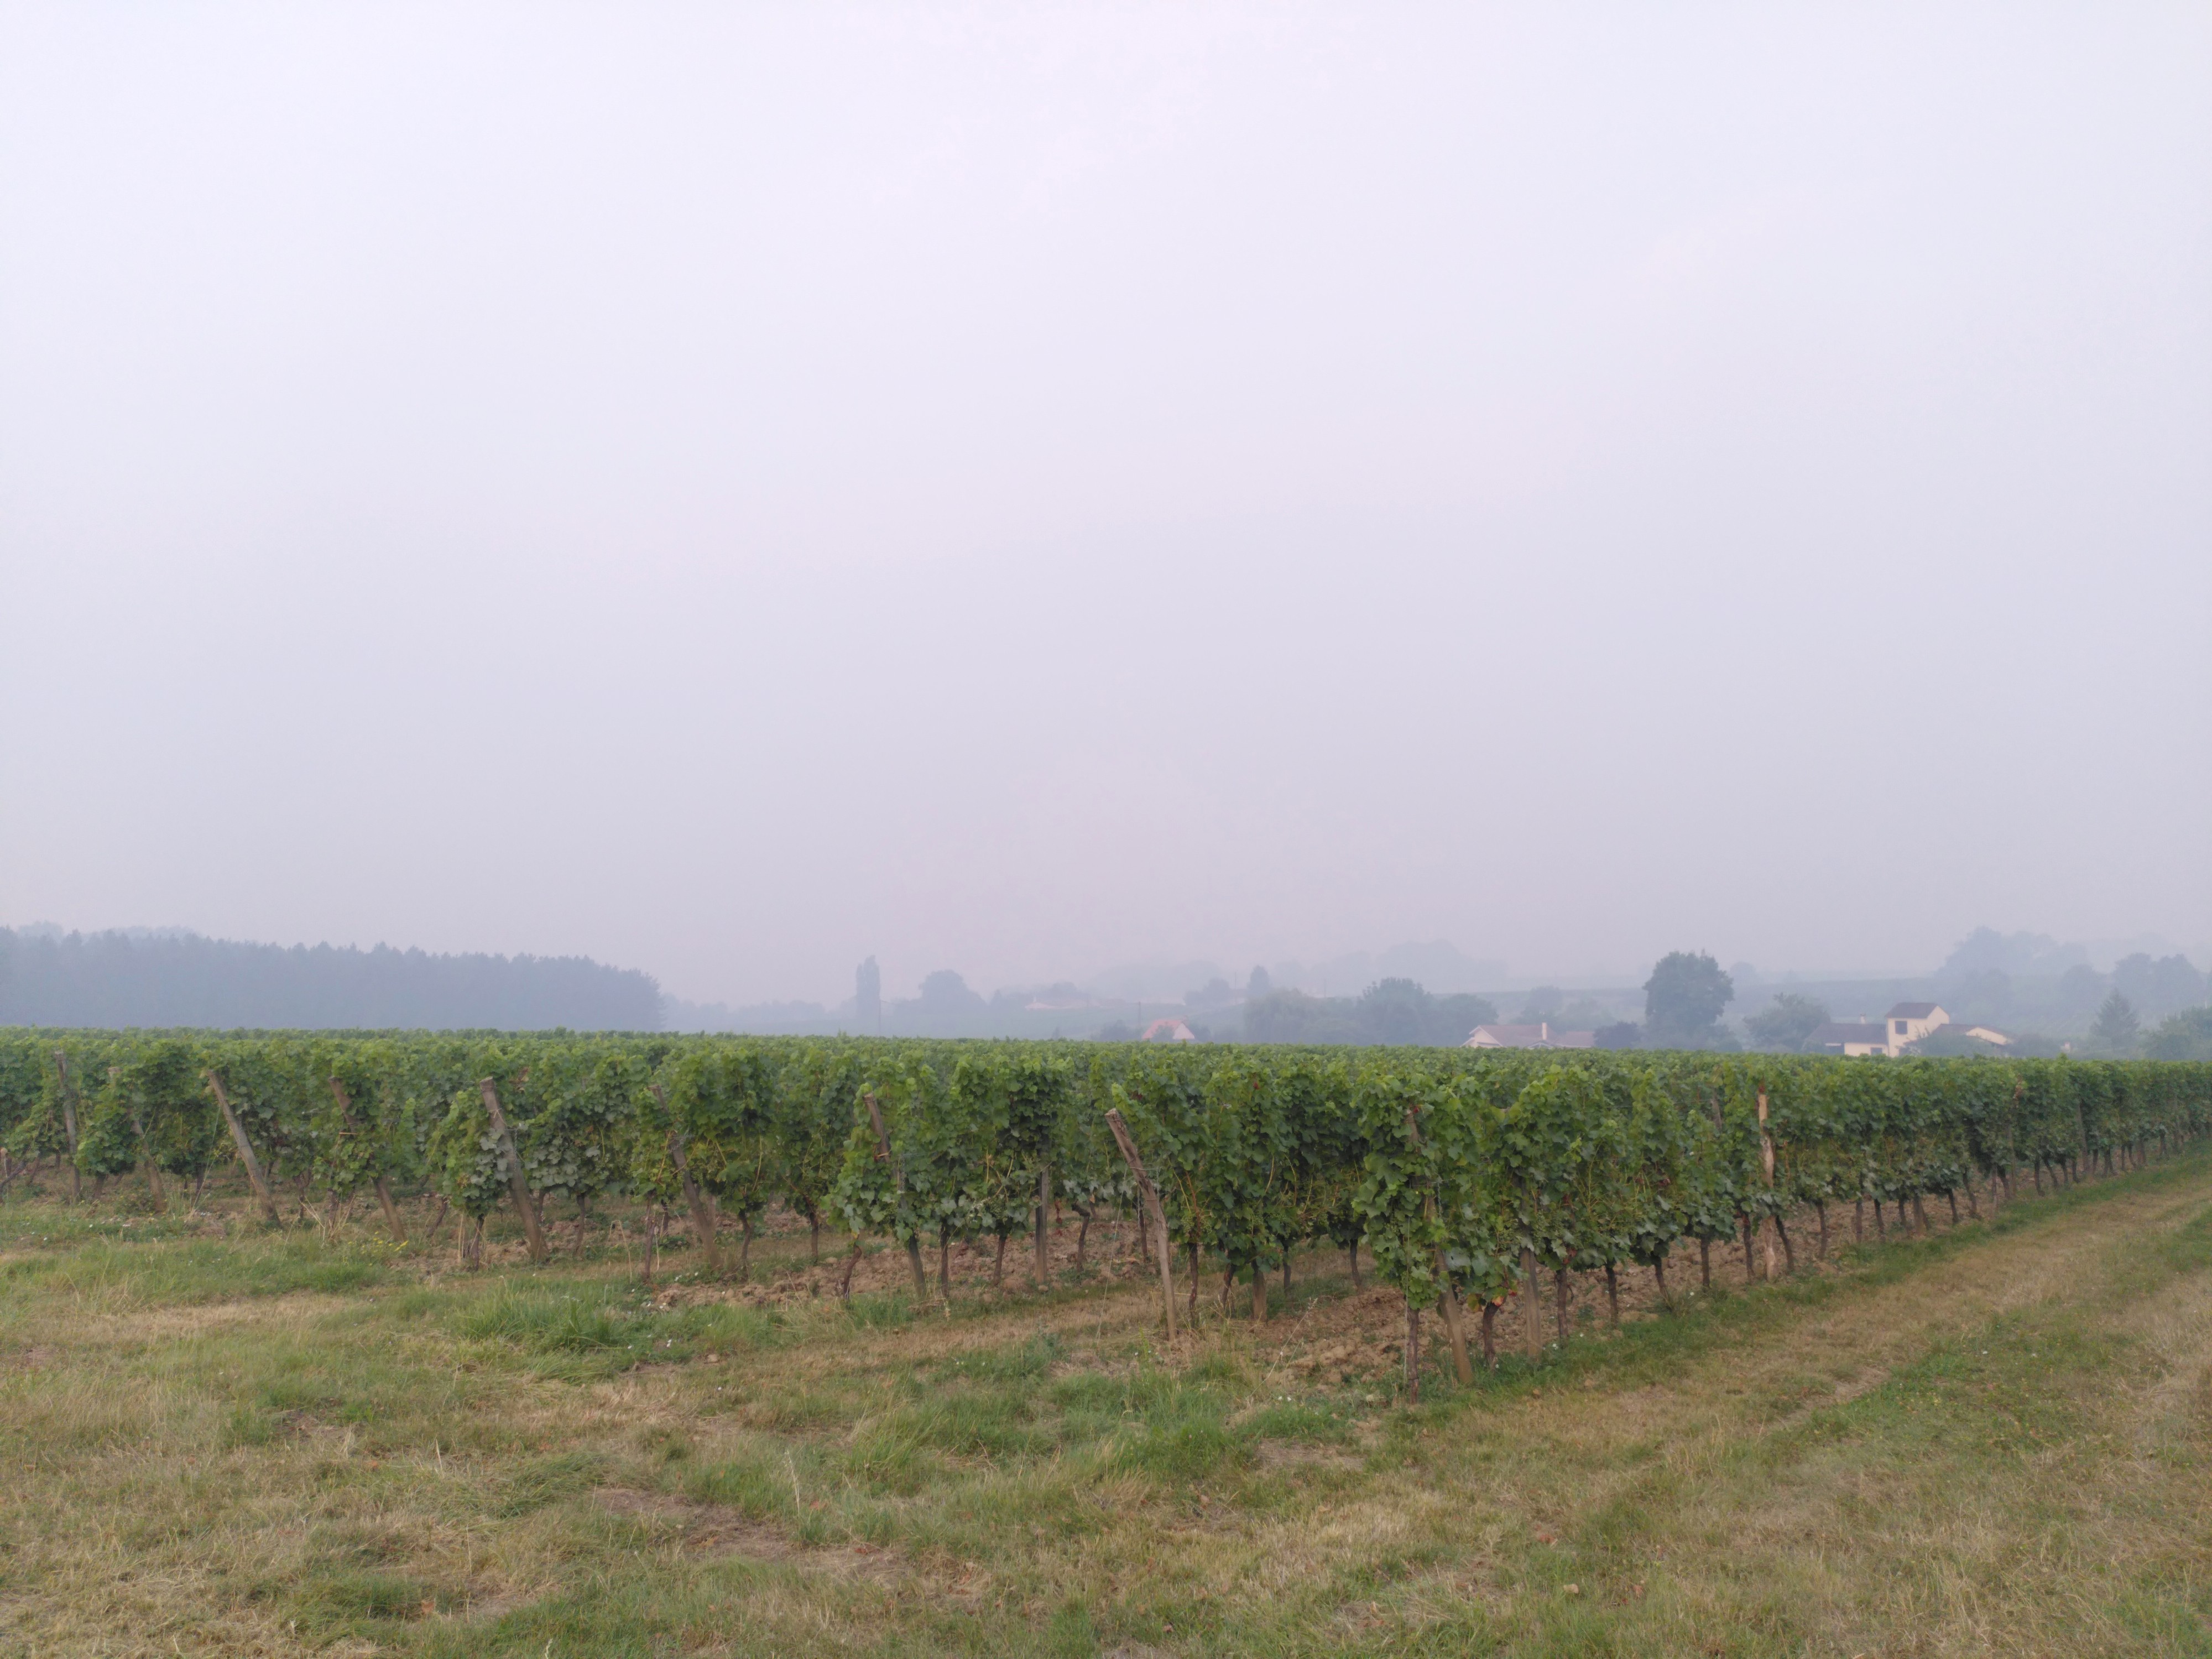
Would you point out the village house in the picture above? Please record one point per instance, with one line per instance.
(1899, 1030)
(1850, 1037)
(1540, 1035)
(1909, 1021)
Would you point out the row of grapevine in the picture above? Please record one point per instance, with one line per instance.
(1468, 1177)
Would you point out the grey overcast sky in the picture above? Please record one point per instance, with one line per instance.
(729, 490)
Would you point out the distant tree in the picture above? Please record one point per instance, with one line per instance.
(2184, 1035)
(1214, 994)
(1390, 1011)
(945, 1008)
(2158, 987)
(1548, 1004)
(1260, 984)
(1626, 1034)
(1784, 1023)
(1543, 1004)
(1583, 1014)
(2117, 1030)
(2079, 987)
(946, 987)
(1016, 999)
(1115, 1030)
(1457, 1015)
(179, 979)
(2032, 955)
(1294, 1016)
(1395, 1011)
(1984, 996)
(1683, 999)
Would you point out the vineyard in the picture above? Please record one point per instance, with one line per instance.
(561, 1346)
(1478, 1185)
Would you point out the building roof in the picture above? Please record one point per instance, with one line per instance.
(1912, 1011)
(1541, 1036)
(1970, 1029)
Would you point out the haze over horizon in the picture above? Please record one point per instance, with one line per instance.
(1026, 491)
(1436, 965)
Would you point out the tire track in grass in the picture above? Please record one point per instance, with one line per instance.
(1862, 1477)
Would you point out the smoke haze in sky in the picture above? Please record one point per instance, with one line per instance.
(735, 490)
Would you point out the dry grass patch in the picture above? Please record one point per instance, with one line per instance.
(1994, 1440)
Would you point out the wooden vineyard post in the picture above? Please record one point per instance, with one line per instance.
(1532, 1304)
(695, 1197)
(1044, 1221)
(245, 1151)
(1766, 1163)
(1153, 1208)
(383, 1186)
(517, 1184)
(1412, 1354)
(69, 1122)
(1448, 1304)
(898, 1176)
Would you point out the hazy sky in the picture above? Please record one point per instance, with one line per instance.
(732, 489)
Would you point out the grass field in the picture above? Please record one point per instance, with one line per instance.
(217, 1440)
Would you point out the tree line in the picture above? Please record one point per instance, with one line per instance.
(179, 979)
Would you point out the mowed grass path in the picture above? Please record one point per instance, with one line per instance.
(1996, 1441)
